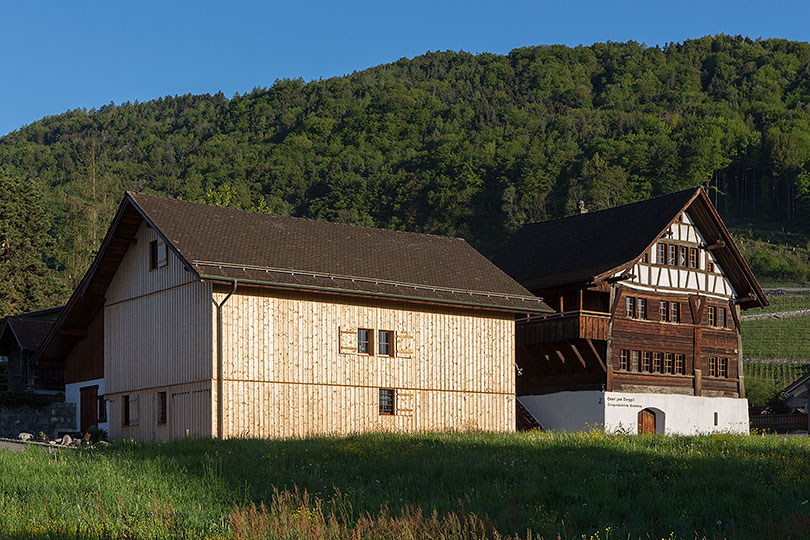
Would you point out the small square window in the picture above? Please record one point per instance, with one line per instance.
(663, 308)
(680, 364)
(668, 363)
(388, 398)
(101, 414)
(385, 343)
(158, 256)
(646, 361)
(125, 419)
(672, 255)
(682, 256)
(712, 315)
(624, 359)
(710, 267)
(721, 317)
(365, 341)
(713, 366)
(692, 257)
(641, 308)
(630, 307)
(162, 408)
(722, 367)
(674, 312)
(634, 360)
(661, 254)
(658, 362)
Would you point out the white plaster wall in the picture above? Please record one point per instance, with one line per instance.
(683, 415)
(618, 411)
(567, 411)
(73, 395)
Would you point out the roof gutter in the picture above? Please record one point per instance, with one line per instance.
(220, 361)
(336, 290)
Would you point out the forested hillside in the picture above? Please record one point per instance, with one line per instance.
(450, 143)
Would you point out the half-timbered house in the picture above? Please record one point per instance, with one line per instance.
(646, 336)
(209, 321)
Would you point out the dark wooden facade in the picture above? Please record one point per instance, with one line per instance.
(662, 319)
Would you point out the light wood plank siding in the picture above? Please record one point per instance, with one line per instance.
(134, 278)
(188, 408)
(285, 375)
(157, 337)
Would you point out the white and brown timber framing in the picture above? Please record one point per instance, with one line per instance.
(587, 266)
(246, 328)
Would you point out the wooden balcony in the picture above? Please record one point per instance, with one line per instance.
(562, 327)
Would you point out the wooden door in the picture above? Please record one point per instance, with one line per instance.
(88, 406)
(646, 422)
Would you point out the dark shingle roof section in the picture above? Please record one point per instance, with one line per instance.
(30, 332)
(578, 248)
(295, 252)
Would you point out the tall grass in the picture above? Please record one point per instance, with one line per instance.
(453, 485)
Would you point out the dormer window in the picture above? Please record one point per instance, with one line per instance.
(158, 255)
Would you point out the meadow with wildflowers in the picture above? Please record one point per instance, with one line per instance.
(433, 485)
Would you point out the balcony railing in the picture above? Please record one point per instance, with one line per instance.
(563, 326)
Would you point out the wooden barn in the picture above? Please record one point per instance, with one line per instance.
(646, 336)
(209, 321)
(20, 337)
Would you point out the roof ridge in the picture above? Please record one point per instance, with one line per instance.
(298, 218)
(596, 212)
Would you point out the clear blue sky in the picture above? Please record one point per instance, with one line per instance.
(60, 55)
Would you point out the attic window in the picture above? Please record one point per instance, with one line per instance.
(158, 255)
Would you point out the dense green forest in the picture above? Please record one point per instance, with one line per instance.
(448, 142)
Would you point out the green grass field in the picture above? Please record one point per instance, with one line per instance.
(778, 338)
(587, 485)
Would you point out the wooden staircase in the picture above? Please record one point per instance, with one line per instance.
(525, 420)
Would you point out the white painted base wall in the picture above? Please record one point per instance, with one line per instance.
(73, 395)
(618, 411)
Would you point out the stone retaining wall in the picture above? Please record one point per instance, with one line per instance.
(52, 420)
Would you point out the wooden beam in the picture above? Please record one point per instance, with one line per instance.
(596, 354)
(578, 355)
(717, 245)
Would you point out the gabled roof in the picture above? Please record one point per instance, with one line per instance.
(592, 246)
(226, 244)
(219, 242)
(29, 332)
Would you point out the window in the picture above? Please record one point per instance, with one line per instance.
(3, 359)
(712, 315)
(658, 362)
(663, 308)
(634, 360)
(713, 366)
(661, 254)
(641, 308)
(365, 341)
(162, 409)
(709, 266)
(624, 359)
(668, 362)
(674, 312)
(388, 401)
(158, 256)
(692, 257)
(722, 367)
(680, 364)
(630, 306)
(385, 343)
(715, 419)
(672, 255)
(125, 419)
(682, 257)
(646, 257)
(721, 317)
(101, 415)
(646, 361)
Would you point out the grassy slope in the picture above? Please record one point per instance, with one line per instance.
(778, 338)
(718, 486)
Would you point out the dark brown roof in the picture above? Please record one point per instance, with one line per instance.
(585, 247)
(30, 332)
(227, 243)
